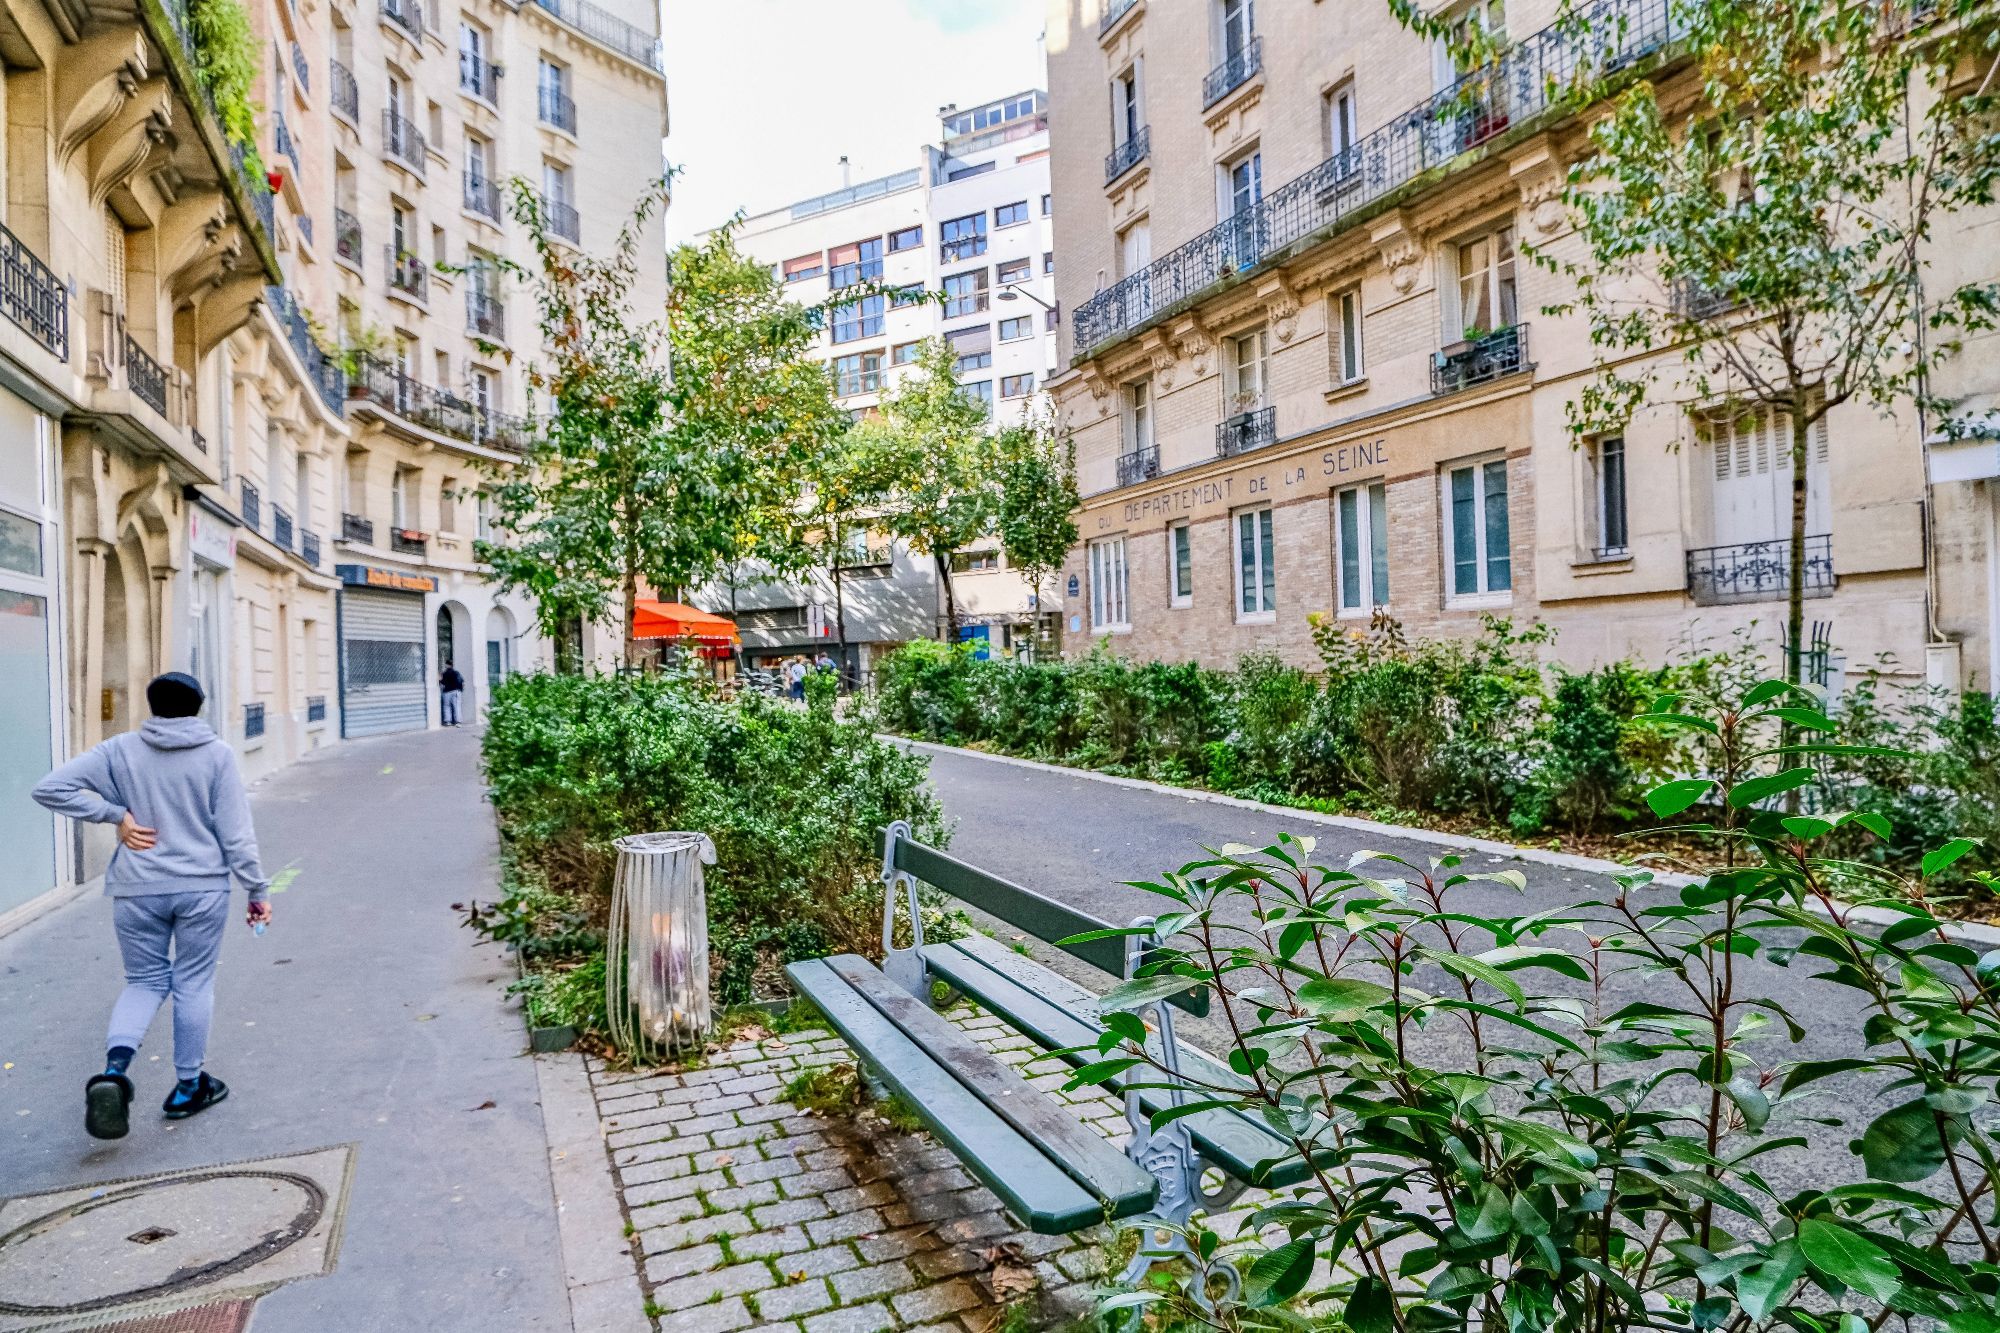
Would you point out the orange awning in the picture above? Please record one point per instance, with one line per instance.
(672, 620)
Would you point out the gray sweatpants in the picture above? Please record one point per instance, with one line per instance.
(192, 924)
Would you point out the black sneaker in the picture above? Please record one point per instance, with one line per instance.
(106, 1098)
(207, 1092)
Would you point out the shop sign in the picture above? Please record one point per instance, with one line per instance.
(392, 580)
(211, 539)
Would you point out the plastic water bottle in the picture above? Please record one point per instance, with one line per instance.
(257, 928)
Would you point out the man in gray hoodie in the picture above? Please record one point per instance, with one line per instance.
(183, 831)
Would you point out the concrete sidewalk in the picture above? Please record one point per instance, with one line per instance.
(366, 1016)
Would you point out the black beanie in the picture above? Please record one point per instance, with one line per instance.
(175, 694)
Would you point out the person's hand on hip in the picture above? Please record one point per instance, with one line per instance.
(136, 836)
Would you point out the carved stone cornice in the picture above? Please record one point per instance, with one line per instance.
(1160, 359)
(1401, 248)
(136, 134)
(94, 80)
(1281, 303)
(1194, 342)
(1541, 175)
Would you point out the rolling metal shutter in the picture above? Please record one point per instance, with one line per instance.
(382, 676)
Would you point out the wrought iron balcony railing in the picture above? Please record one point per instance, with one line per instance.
(1500, 353)
(558, 109)
(403, 141)
(281, 527)
(327, 376)
(1114, 11)
(563, 220)
(608, 29)
(484, 315)
(1233, 73)
(479, 76)
(407, 274)
(346, 92)
(309, 548)
(146, 377)
(354, 528)
(300, 70)
(33, 297)
(305, 226)
(347, 236)
(382, 384)
(1138, 465)
(281, 140)
(252, 507)
(405, 14)
(1129, 154)
(1246, 431)
(1758, 571)
(1542, 71)
(482, 195)
(406, 541)
(1693, 301)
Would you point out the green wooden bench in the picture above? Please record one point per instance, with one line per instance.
(1053, 1173)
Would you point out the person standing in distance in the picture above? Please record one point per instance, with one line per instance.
(451, 689)
(184, 831)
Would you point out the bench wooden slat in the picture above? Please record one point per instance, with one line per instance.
(1085, 1154)
(1058, 1013)
(1036, 1189)
(1039, 915)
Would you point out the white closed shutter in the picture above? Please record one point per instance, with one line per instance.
(1751, 477)
(382, 675)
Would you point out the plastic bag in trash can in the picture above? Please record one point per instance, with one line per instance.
(656, 974)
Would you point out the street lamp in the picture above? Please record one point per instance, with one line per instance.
(1012, 291)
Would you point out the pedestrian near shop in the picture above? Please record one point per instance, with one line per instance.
(184, 833)
(451, 690)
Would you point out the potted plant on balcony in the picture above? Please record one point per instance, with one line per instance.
(1474, 335)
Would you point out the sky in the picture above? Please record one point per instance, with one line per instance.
(764, 96)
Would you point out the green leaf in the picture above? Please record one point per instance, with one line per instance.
(1766, 690)
(1902, 1145)
(1168, 1114)
(1809, 718)
(1102, 1071)
(1670, 798)
(1849, 1258)
(1757, 789)
(1478, 971)
(1806, 826)
(1142, 991)
(1341, 999)
(1808, 1071)
(1940, 857)
(1761, 1289)
(1126, 1025)
(1278, 1275)
(1371, 1308)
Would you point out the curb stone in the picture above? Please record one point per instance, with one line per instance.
(602, 1276)
(1971, 931)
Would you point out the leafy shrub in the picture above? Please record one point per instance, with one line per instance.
(1273, 701)
(558, 997)
(1593, 755)
(792, 800)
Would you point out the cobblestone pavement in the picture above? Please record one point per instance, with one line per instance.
(747, 1213)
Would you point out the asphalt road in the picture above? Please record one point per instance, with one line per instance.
(1079, 839)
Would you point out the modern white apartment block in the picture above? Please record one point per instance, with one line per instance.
(972, 223)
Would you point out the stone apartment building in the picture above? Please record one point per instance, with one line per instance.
(1309, 373)
(185, 474)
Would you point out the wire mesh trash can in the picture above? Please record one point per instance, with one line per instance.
(656, 981)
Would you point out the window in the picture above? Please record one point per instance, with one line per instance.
(1476, 528)
(1345, 326)
(448, 505)
(965, 293)
(1361, 538)
(848, 265)
(973, 347)
(859, 373)
(1016, 386)
(1256, 580)
(974, 562)
(1607, 465)
(1015, 270)
(1013, 330)
(1343, 131)
(1048, 205)
(1487, 297)
(1108, 606)
(552, 79)
(1010, 215)
(1246, 371)
(962, 238)
(1449, 60)
(1239, 24)
(962, 173)
(1243, 185)
(557, 185)
(903, 354)
(904, 297)
(982, 392)
(909, 238)
(859, 318)
(804, 267)
(482, 515)
(1048, 261)
(1180, 564)
(475, 70)
(1138, 416)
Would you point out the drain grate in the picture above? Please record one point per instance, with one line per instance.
(227, 1317)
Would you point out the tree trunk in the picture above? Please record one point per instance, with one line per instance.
(1795, 591)
(840, 616)
(943, 562)
(631, 612)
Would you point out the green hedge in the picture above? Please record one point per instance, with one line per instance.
(792, 800)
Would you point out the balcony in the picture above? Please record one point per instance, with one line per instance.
(407, 274)
(485, 317)
(1115, 10)
(403, 142)
(281, 141)
(1129, 154)
(309, 548)
(391, 391)
(1233, 73)
(346, 93)
(479, 76)
(146, 377)
(305, 223)
(281, 527)
(609, 30)
(563, 221)
(1540, 73)
(1138, 465)
(315, 708)
(354, 528)
(33, 297)
(482, 196)
(1757, 571)
(300, 70)
(406, 541)
(326, 374)
(558, 110)
(252, 507)
(407, 15)
(1246, 431)
(347, 236)
(1695, 303)
(1477, 361)
(253, 721)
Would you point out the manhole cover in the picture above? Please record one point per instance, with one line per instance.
(149, 1245)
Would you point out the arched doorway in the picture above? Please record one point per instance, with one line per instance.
(114, 705)
(499, 645)
(456, 647)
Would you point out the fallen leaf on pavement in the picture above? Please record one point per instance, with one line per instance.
(1011, 1276)
(486, 1105)
(425, 1018)
(799, 1276)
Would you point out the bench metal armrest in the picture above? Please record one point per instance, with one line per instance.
(905, 967)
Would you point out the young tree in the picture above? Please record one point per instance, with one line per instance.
(670, 447)
(1037, 499)
(931, 450)
(1763, 244)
